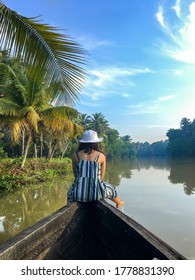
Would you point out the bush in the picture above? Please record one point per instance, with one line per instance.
(12, 176)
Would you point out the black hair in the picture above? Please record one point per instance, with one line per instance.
(88, 147)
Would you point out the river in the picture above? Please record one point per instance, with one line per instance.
(158, 193)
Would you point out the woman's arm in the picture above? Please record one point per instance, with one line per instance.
(102, 159)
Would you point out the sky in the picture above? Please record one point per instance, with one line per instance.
(141, 59)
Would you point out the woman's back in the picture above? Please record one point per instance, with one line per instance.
(88, 166)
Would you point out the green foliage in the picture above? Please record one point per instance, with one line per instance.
(182, 140)
(26, 111)
(98, 123)
(3, 154)
(13, 177)
(156, 149)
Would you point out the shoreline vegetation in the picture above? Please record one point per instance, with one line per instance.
(181, 144)
(13, 177)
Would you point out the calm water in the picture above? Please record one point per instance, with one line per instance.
(159, 194)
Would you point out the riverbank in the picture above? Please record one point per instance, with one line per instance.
(13, 177)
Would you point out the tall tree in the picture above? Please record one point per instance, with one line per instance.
(84, 120)
(25, 103)
(98, 123)
(21, 101)
(59, 124)
(126, 139)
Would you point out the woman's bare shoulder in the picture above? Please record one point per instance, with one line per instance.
(102, 157)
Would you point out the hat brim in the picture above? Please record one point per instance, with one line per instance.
(92, 141)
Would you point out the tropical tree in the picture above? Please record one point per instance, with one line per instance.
(60, 125)
(126, 139)
(49, 56)
(98, 123)
(18, 103)
(112, 147)
(84, 120)
(182, 141)
(25, 104)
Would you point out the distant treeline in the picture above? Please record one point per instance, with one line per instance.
(180, 142)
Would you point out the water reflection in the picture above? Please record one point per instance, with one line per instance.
(23, 208)
(117, 169)
(183, 171)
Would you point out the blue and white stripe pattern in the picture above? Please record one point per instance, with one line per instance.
(88, 185)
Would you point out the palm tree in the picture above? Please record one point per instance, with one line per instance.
(49, 56)
(98, 123)
(59, 124)
(25, 104)
(21, 101)
(84, 120)
(126, 139)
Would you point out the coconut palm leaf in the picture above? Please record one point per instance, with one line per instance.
(16, 128)
(8, 108)
(10, 84)
(59, 118)
(60, 112)
(49, 55)
(31, 117)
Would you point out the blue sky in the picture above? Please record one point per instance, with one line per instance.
(141, 59)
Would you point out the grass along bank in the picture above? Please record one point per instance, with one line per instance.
(13, 177)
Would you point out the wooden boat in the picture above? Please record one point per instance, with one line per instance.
(87, 231)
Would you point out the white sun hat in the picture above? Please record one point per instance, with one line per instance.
(90, 136)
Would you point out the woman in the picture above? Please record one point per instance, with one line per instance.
(89, 166)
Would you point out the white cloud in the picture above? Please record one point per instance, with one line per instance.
(165, 98)
(178, 72)
(177, 8)
(181, 33)
(149, 106)
(111, 81)
(125, 95)
(143, 108)
(90, 43)
(103, 76)
(160, 17)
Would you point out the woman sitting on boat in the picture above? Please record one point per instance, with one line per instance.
(89, 166)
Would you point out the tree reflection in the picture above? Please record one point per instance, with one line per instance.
(182, 171)
(118, 169)
(27, 206)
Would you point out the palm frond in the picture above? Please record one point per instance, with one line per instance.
(58, 119)
(61, 112)
(49, 55)
(31, 116)
(16, 131)
(11, 86)
(16, 127)
(77, 129)
(8, 108)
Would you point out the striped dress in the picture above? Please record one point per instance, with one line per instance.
(87, 185)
